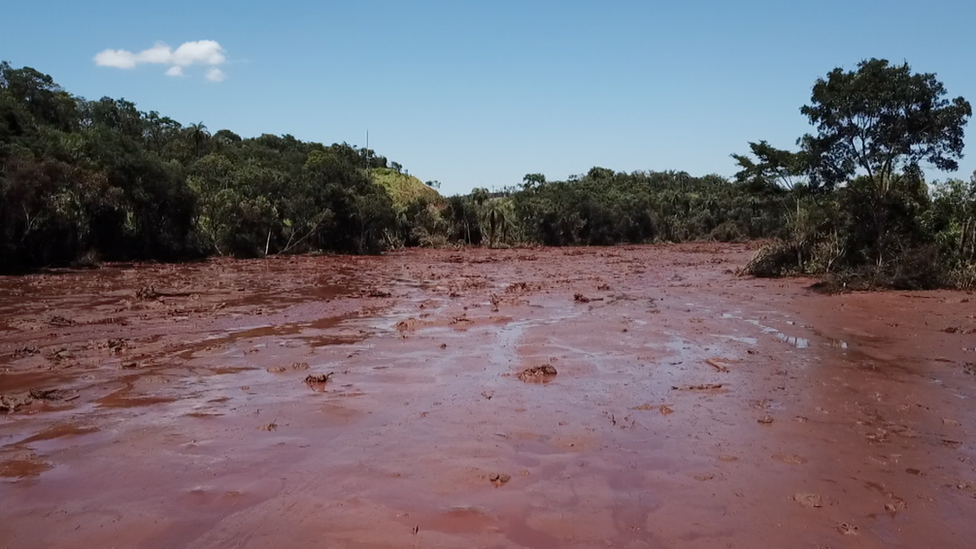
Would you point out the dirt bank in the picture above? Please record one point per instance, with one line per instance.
(668, 403)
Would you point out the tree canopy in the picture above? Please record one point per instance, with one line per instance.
(882, 119)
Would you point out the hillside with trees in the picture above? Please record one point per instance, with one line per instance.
(83, 181)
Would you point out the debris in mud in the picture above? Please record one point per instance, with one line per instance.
(702, 387)
(460, 320)
(10, 403)
(300, 366)
(117, 345)
(443, 345)
(791, 459)
(26, 350)
(968, 487)
(847, 529)
(407, 325)
(379, 293)
(277, 369)
(273, 426)
(896, 506)
(487, 394)
(603, 287)
(518, 288)
(580, 298)
(969, 368)
(318, 378)
(808, 500)
(61, 354)
(765, 420)
(718, 364)
(129, 365)
(60, 321)
(704, 478)
(147, 293)
(537, 374)
(499, 479)
(665, 409)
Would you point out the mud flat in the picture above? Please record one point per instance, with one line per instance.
(637, 397)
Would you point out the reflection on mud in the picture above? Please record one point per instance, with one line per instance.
(798, 342)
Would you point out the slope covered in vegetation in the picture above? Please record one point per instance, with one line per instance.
(403, 188)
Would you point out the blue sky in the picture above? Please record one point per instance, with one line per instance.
(479, 94)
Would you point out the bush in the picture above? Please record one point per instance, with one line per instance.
(773, 259)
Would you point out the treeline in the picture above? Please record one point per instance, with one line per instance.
(852, 202)
(100, 180)
(604, 207)
(82, 181)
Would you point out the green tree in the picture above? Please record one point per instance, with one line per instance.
(197, 135)
(882, 119)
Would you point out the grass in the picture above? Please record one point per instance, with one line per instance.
(403, 188)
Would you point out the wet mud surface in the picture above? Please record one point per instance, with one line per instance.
(635, 397)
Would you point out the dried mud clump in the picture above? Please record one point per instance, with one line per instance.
(808, 500)
(537, 374)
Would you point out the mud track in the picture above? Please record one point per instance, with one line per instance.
(192, 406)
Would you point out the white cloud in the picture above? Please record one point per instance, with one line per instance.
(119, 59)
(199, 52)
(216, 75)
(205, 52)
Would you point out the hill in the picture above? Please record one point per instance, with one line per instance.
(403, 188)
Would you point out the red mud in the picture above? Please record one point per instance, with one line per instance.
(692, 408)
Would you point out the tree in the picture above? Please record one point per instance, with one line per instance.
(197, 134)
(532, 180)
(772, 166)
(882, 119)
(497, 219)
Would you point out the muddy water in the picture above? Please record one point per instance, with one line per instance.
(691, 408)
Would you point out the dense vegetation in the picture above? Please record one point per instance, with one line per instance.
(86, 180)
(99, 179)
